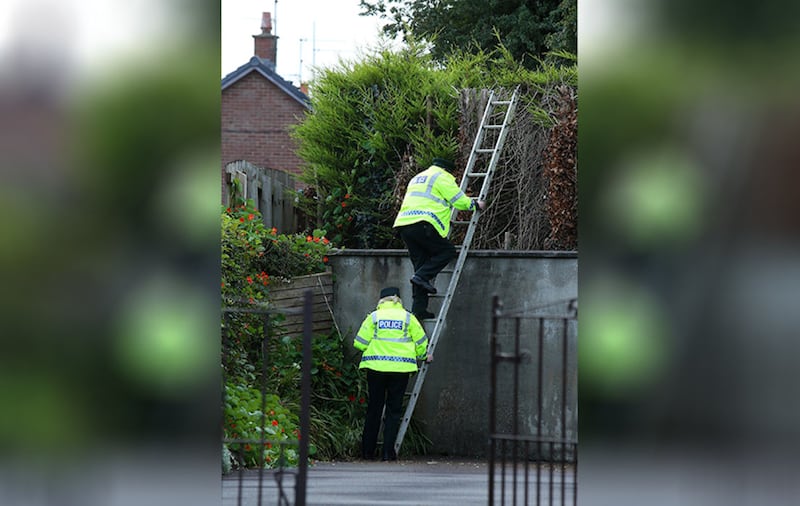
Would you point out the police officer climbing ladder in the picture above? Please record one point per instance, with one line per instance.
(492, 130)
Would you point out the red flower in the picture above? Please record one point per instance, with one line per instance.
(325, 260)
(251, 300)
(339, 373)
(349, 218)
(249, 279)
(344, 204)
(228, 210)
(241, 219)
(307, 255)
(316, 239)
(251, 216)
(247, 447)
(274, 231)
(271, 411)
(347, 195)
(361, 401)
(222, 285)
(325, 240)
(275, 422)
(309, 238)
(352, 398)
(269, 445)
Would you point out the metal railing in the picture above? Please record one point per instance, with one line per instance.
(259, 486)
(533, 450)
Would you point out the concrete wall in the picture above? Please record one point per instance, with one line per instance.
(453, 405)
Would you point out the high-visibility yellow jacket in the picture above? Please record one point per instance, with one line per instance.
(431, 195)
(391, 339)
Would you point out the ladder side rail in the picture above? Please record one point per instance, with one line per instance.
(456, 274)
(487, 112)
(486, 183)
(445, 305)
(464, 250)
(432, 342)
(509, 116)
(412, 402)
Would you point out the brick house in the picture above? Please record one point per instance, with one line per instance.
(258, 107)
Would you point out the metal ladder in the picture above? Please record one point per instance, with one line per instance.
(495, 110)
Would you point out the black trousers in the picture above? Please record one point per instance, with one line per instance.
(429, 252)
(384, 388)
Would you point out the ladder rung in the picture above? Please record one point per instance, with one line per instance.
(460, 222)
(484, 150)
(437, 295)
(493, 127)
(446, 271)
(478, 174)
(501, 102)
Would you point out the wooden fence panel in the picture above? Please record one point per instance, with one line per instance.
(289, 295)
(271, 191)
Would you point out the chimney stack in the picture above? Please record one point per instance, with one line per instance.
(266, 23)
(266, 44)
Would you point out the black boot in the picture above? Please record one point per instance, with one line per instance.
(424, 315)
(423, 283)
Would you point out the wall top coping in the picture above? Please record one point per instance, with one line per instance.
(474, 253)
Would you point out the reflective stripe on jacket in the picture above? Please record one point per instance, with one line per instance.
(391, 339)
(431, 195)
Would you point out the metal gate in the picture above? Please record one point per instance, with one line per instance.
(533, 450)
(271, 486)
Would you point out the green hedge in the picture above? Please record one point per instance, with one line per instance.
(391, 113)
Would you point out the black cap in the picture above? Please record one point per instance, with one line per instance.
(389, 291)
(444, 163)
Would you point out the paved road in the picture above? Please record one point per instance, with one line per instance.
(403, 483)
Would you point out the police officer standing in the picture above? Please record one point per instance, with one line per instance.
(424, 222)
(391, 340)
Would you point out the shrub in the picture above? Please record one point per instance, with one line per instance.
(368, 117)
(252, 257)
(338, 391)
(263, 429)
